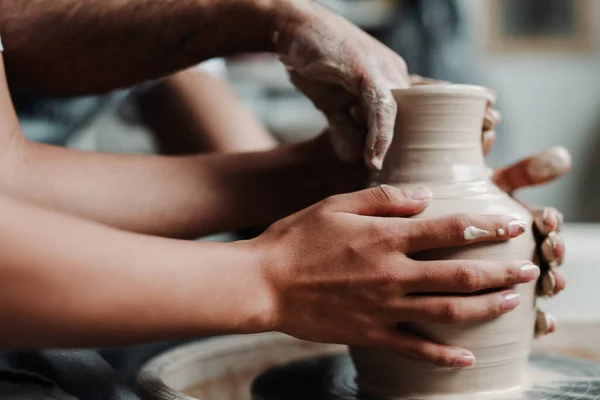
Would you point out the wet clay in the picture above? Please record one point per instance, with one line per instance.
(437, 145)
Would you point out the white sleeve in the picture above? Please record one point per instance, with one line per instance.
(1, 48)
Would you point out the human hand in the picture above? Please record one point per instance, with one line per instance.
(346, 73)
(341, 273)
(540, 168)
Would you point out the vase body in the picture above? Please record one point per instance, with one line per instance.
(437, 145)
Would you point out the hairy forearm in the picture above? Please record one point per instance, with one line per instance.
(69, 282)
(110, 44)
(171, 196)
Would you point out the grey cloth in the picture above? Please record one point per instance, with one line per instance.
(64, 374)
(55, 120)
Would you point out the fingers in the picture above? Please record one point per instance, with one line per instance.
(459, 230)
(380, 106)
(488, 138)
(547, 220)
(467, 276)
(455, 309)
(545, 323)
(553, 250)
(540, 168)
(420, 349)
(550, 283)
(491, 119)
(380, 201)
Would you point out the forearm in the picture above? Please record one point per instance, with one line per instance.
(179, 196)
(113, 43)
(191, 112)
(68, 282)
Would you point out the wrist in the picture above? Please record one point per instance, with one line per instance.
(289, 15)
(257, 312)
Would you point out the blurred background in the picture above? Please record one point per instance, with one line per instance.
(539, 55)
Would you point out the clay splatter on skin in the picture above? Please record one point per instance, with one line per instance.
(472, 233)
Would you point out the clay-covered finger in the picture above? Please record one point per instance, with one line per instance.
(491, 96)
(415, 347)
(380, 107)
(553, 249)
(547, 219)
(540, 168)
(551, 283)
(491, 119)
(455, 309)
(458, 230)
(545, 323)
(488, 138)
(468, 276)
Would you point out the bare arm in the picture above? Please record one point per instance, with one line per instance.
(193, 112)
(128, 41)
(172, 196)
(70, 282)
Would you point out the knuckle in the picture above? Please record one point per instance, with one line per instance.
(330, 203)
(512, 275)
(424, 351)
(451, 313)
(457, 225)
(495, 308)
(468, 278)
(388, 194)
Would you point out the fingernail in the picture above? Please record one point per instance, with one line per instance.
(529, 272)
(550, 220)
(551, 321)
(511, 300)
(420, 194)
(516, 228)
(548, 285)
(544, 323)
(496, 116)
(465, 359)
(489, 135)
(377, 162)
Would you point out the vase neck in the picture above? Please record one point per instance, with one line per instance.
(437, 135)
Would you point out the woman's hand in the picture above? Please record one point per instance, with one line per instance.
(540, 168)
(341, 273)
(544, 167)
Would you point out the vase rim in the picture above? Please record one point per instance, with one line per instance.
(443, 88)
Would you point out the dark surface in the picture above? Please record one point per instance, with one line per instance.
(81, 373)
(332, 378)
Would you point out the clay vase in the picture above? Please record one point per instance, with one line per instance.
(437, 144)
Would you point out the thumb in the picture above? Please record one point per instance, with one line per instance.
(382, 201)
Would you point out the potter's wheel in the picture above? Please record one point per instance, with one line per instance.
(278, 367)
(331, 377)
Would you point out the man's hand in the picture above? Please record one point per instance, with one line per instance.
(347, 74)
(340, 271)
